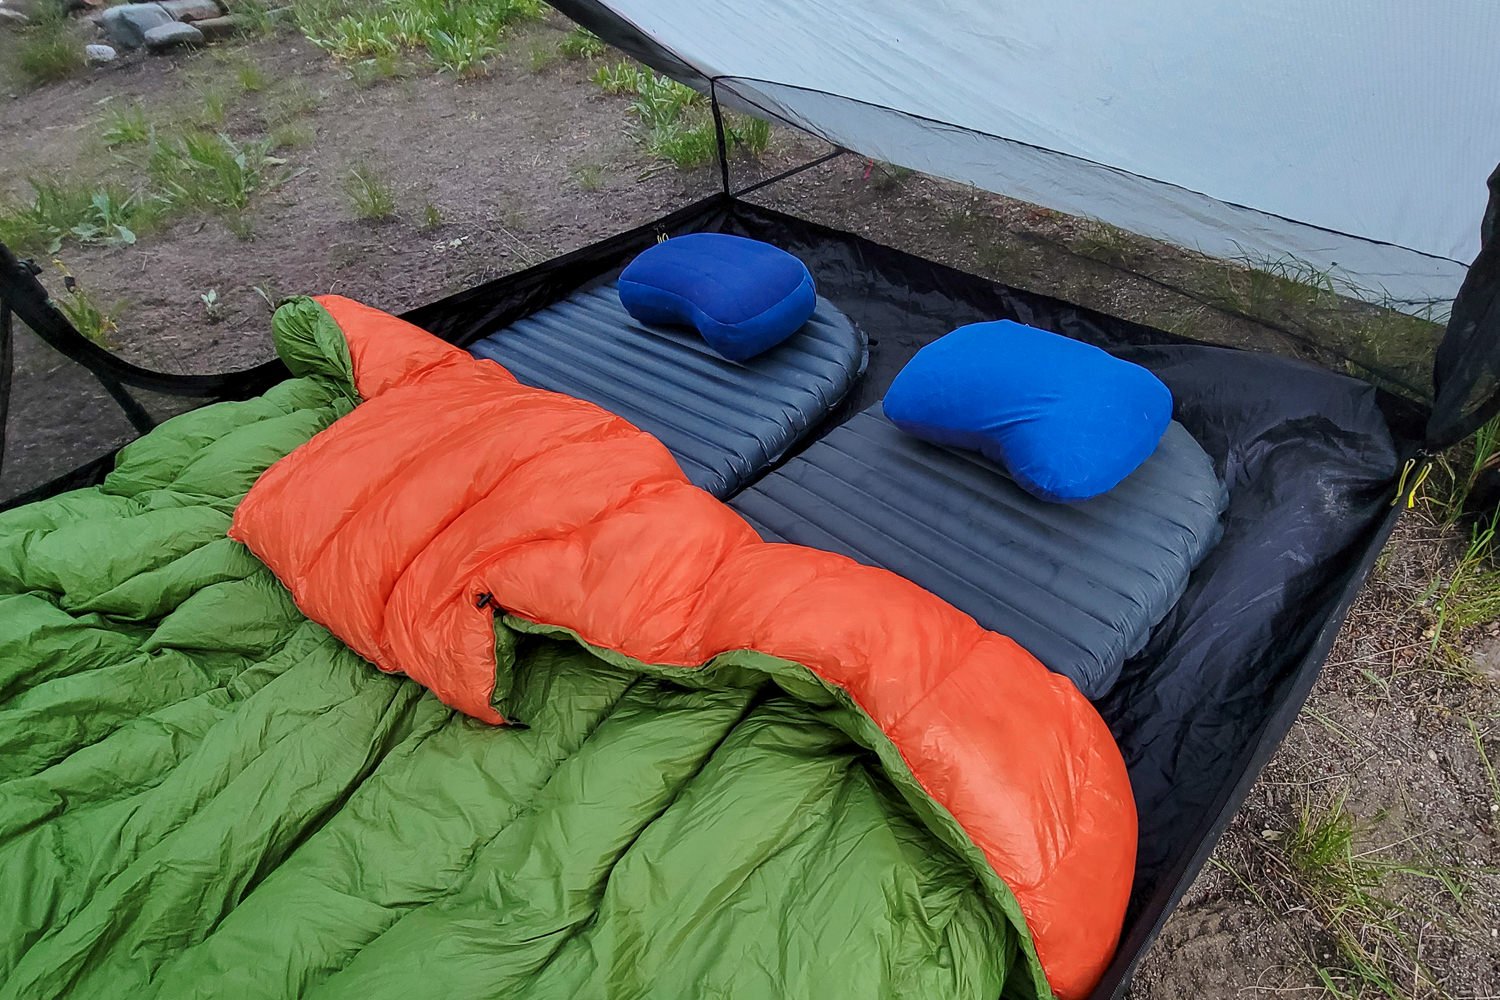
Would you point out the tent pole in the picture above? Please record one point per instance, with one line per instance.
(713, 101)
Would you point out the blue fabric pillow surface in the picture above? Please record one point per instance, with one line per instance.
(743, 296)
(1067, 420)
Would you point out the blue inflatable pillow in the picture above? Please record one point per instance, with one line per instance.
(743, 296)
(1065, 419)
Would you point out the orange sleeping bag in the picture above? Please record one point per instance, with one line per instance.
(453, 492)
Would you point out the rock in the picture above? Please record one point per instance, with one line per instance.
(17, 12)
(1485, 658)
(98, 55)
(126, 25)
(191, 10)
(171, 35)
(219, 27)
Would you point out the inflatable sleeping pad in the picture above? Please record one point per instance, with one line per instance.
(725, 421)
(1080, 585)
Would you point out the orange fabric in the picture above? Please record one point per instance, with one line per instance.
(452, 480)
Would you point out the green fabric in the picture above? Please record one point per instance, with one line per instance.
(204, 794)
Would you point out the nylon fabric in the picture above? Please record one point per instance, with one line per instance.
(1080, 586)
(725, 422)
(204, 793)
(399, 533)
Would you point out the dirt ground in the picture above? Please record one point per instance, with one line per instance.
(1395, 750)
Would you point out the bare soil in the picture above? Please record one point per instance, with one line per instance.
(1392, 735)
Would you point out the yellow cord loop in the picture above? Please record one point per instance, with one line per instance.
(1416, 486)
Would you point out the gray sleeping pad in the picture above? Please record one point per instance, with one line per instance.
(725, 421)
(1079, 585)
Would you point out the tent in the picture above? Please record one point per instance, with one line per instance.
(1358, 138)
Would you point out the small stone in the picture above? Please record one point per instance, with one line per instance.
(17, 12)
(191, 10)
(98, 55)
(1484, 658)
(219, 27)
(172, 35)
(126, 25)
(1432, 756)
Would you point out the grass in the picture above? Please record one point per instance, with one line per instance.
(1472, 594)
(683, 144)
(292, 100)
(457, 36)
(210, 172)
(58, 212)
(125, 126)
(251, 78)
(213, 106)
(1101, 241)
(369, 194)
(672, 120)
(255, 18)
(590, 176)
(88, 317)
(290, 135)
(543, 57)
(432, 216)
(581, 43)
(377, 69)
(1371, 952)
(886, 176)
(48, 50)
(1489, 771)
(753, 135)
(624, 77)
(1466, 465)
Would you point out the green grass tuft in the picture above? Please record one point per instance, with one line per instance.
(251, 78)
(1466, 465)
(1102, 242)
(376, 69)
(125, 126)
(660, 101)
(458, 36)
(48, 50)
(590, 176)
(59, 212)
(753, 135)
(290, 135)
(210, 172)
(369, 194)
(432, 216)
(88, 317)
(581, 43)
(624, 77)
(1471, 595)
(543, 57)
(213, 106)
(683, 144)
